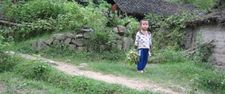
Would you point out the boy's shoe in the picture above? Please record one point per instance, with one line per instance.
(140, 71)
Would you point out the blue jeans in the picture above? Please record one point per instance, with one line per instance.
(143, 58)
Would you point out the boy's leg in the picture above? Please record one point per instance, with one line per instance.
(143, 59)
(139, 65)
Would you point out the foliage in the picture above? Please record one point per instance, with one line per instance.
(7, 62)
(33, 70)
(203, 53)
(169, 56)
(38, 17)
(3, 44)
(130, 23)
(132, 57)
(214, 82)
(100, 41)
(167, 31)
(42, 72)
(34, 10)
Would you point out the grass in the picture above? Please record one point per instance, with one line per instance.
(171, 73)
(35, 77)
(16, 84)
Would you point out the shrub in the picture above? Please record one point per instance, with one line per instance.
(3, 44)
(34, 10)
(33, 70)
(132, 57)
(214, 82)
(7, 62)
(100, 41)
(40, 71)
(167, 31)
(38, 17)
(169, 56)
(130, 23)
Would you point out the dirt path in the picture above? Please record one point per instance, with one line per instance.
(2, 88)
(112, 79)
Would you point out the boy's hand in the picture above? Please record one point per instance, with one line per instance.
(149, 53)
(135, 47)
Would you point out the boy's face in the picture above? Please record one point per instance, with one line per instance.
(144, 25)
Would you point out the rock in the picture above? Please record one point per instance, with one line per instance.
(79, 36)
(103, 47)
(58, 37)
(70, 35)
(72, 47)
(87, 35)
(120, 30)
(34, 45)
(49, 41)
(83, 1)
(56, 42)
(117, 37)
(67, 41)
(87, 30)
(115, 29)
(119, 44)
(39, 45)
(114, 45)
(78, 42)
(127, 42)
(81, 48)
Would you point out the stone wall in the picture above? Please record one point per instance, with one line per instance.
(79, 41)
(208, 33)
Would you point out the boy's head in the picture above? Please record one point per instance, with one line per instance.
(144, 25)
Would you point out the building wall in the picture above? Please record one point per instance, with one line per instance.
(208, 33)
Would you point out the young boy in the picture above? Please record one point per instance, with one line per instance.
(143, 42)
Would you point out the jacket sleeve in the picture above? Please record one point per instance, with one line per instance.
(136, 39)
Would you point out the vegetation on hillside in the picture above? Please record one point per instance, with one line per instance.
(39, 18)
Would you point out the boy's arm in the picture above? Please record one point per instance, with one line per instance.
(136, 41)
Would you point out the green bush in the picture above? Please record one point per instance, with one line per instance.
(34, 70)
(7, 62)
(40, 71)
(214, 82)
(3, 44)
(169, 56)
(132, 57)
(100, 41)
(167, 31)
(131, 23)
(34, 10)
(38, 17)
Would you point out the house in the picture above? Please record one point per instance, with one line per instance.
(210, 27)
(139, 8)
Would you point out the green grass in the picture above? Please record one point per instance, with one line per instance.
(35, 76)
(170, 72)
(16, 84)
